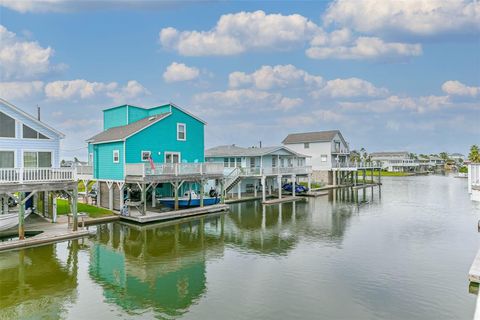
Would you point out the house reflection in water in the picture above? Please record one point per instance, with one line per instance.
(158, 266)
(34, 281)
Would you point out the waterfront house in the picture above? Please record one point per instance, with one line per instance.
(457, 157)
(249, 170)
(155, 149)
(398, 161)
(326, 150)
(29, 159)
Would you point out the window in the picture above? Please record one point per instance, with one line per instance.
(34, 159)
(274, 162)
(7, 159)
(90, 158)
(7, 126)
(306, 145)
(116, 156)
(146, 155)
(29, 133)
(172, 157)
(181, 131)
(323, 158)
(252, 163)
(239, 162)
(225, 162)
(282, 162)
(232, 162)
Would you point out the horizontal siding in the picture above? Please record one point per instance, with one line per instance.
(105, 168)
(162, 137)
(135, 114)
(19, 145)
(114, 117)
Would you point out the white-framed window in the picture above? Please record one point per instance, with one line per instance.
(146, 155)
(181, 131)
(7, 159)
(90, 158)
(172, 157)
(116, 156)
(29, 133)
(274, 162)
(323, 158)
(37, 159)
(306, 145)
(225, 162)
(7, 126)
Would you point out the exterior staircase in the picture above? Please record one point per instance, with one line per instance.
(232, 179)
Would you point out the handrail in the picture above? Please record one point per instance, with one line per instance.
(22, 175)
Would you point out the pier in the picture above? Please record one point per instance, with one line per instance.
(152, 216)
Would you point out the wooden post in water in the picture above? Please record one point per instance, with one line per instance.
(279, 182)
(74, 207)
(175, 186)
(263, 189)
(202, 191)
(21, 216)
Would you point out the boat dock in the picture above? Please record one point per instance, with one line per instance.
(474, 273)
(284, 199)
(51, 233)
(152, 216)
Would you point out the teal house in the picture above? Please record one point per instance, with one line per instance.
(148, 149)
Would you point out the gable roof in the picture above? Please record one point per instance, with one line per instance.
(32, 118)
(318, 136)
(234, 151)
(123, 132)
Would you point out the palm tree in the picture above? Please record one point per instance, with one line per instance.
(444, 156)
(474, 154)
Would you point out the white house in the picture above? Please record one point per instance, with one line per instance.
(248, 170)
(398, 161)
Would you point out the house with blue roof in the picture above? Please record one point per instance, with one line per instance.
(154, 149)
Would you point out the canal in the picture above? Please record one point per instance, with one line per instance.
(401, 254)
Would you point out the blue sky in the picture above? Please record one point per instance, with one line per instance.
(394, 75)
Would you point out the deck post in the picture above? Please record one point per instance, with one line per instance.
(175, 186)
(294, 182)
(263, 188)
(122, 194)
(144, 198)
(222, 192)
(99, 185)
(239, 189)
(309, 182)
(154, 202)
(110, 197)
(371, 174)
(279, 182)
(54, 209)
(5, 204)
(255, 183)
(74, 208)
(21, 216)
(202, 191)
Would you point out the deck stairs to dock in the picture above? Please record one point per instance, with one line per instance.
(232, 179)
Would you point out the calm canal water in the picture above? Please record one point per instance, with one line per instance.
(404, 255)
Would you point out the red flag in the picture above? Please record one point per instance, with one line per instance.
(152, 166)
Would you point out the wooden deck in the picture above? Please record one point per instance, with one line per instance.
(284, 199)
(474, 273)
(52, 232)
(152, 216)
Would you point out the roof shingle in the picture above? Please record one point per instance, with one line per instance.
(319, 136)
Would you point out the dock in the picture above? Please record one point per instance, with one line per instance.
(284, 199)
(151, 216)
(52, 232)
(474, 273)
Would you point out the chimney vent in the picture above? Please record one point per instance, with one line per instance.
(38, 112)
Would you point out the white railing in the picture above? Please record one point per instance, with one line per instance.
(84, 170)
(473, 176)
(287, 170)
(356, 164)
(28, 175)
(173, 169)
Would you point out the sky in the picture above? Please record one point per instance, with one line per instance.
(390, 75)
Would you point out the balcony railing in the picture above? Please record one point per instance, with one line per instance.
(84, 170)
(174, 169)
(356, 164)
(32, 175)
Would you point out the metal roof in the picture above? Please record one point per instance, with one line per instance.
(390, 154)
(123, 132)
(319, 136)
(234, 151)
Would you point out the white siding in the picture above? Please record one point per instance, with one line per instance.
(315, 151)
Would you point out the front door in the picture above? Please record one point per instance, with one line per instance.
(172, 157)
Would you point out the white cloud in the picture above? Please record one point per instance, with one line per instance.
(246, 100)
(351, 87)
(20, 90)
(132, 90)
(279, 76)
(456, 88)
(362, 48)
(419, 104)
(235, 33)
(83, 89)
(180, 72)
(419, 17)
(312, 118)
(22, 59)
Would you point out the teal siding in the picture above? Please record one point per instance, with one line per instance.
(135, 114)
(115, 117)
(162, 137)
(159, 110)
(105, 168)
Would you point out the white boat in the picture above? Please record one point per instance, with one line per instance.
(10, 220)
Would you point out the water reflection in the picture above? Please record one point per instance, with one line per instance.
(35, 280)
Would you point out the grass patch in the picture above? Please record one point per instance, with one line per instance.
(92, 211)
(388, 174)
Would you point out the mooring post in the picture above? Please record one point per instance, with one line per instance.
(279, 182)
(202, 191)
(74, 208)
(21, 217)
(263, 189)
(175, 186)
